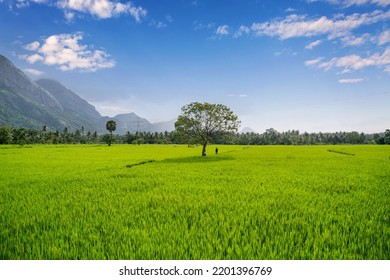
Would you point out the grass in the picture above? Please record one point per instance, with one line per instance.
(340, 152)
(258, 202)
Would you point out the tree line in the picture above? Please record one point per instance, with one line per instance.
(22, 136)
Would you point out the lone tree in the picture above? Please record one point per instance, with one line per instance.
(110, 126)
(200, 122)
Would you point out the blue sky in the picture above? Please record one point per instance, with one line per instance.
(311, 65)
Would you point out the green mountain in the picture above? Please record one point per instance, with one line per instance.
(29, 104)
(76, 109)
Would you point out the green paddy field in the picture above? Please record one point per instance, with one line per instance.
(167, 202)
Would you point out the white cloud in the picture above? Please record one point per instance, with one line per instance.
(382, 2)
(353, 62)
(314, 61)
(286, 52)
(32, 58)
(348, 3)
(161, 25)
(242, 95)
(32, 46)
(290, 10)
(312, 45)
(384, 37)
(69, 16)
(222, 30)
(33, 72)
(198, 25)
(22, 3)
(241, 31)
(294, 26)
(350, 81)
(351, 40)
(158, 24)
(103, 8)
(64, 51)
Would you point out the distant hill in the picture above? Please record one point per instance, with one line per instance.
(247, 130)
(46, 102)
(130, 122)
(14, 80)
(24, 103)
(69, 100)
(164, 126)
(76, 109)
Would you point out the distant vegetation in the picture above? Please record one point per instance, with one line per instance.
(9, 135)
(110, 126)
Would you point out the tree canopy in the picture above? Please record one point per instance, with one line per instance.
(110, 126)
(200, 122)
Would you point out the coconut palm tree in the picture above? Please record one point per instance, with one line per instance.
(110, 126)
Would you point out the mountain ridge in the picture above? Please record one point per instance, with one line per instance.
(46, 102)
(15, 80)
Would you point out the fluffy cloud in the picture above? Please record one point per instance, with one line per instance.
(348, 3)
(313, 62)
(353, 62)
(294, 26)
(350, 81)
(102, 9)
(241, 31)
(222, 30)
(65, 52)
(312, 45)
(384, 37)
(69, 16)
(351, 40)
(22, 3)
(32, 46)
(33, 58)
(33, 72)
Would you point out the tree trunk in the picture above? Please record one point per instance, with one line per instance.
(109, 141)
(204, 149)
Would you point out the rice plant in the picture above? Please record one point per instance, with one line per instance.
(166, 202)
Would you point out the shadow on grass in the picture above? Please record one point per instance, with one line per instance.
(140, 163)
(197, 159)
(341, 152)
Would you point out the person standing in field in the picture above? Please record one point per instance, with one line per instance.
(216, 150)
